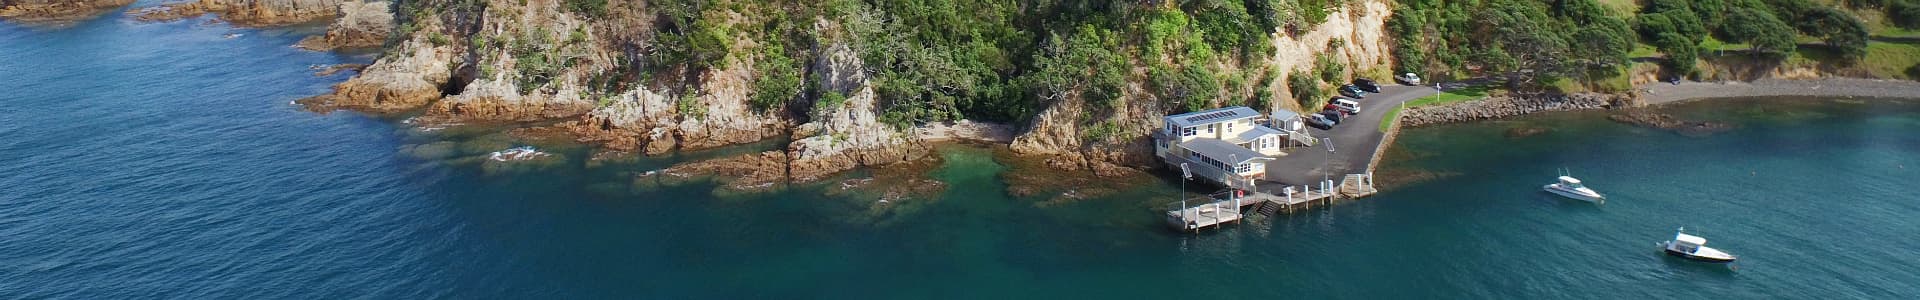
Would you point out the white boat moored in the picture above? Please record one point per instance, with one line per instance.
(1693, 247)
(1571, 188)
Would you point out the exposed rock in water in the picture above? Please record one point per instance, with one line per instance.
(243, 12)
(1526, 131)
(361, 25)
(56, 11)
(1669, 122)
(1506, 106)
(325, 71)
(1033, 175)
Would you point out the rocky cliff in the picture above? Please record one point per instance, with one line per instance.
(244, 12)
(359, 25)
(38, 11)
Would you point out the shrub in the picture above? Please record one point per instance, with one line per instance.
(1305, 89)
(779, 78)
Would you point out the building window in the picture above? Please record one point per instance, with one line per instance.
(1186, 131)
(1210, 128)
(1230, 126)
(1243, 168)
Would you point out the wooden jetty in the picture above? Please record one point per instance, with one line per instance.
(1231, 206)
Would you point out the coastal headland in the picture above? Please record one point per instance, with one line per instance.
(836, 87)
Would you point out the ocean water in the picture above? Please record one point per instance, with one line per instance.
(164, 161)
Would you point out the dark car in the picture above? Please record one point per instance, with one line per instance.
(1352, 92)
(1320, 121)
(1366, 85)
(1334, 115)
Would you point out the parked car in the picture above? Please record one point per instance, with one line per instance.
(1345, 106)
(1353, 92)
(1334, 115)
(1320, 121)
(1366, 85)
(1408, 79)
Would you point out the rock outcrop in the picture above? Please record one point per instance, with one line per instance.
(360, 25)
(243, 12)
(841, 137)
(409, 78)
(1670, 123)
(1506, 106)
(851, 134)
(42, 11)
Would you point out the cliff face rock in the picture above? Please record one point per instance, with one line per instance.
(840, 137)
(530, 65)
(1506, 106)
(409, 78)
(361, 25)
(850, 134)
(1058, 134)
(56, 10)
(244, 12)
(1355, 37)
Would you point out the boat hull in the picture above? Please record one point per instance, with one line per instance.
(1690, 256)
(1556, 190)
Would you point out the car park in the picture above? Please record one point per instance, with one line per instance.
(1366, 85)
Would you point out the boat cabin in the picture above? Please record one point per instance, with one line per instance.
(1687, 242)
(1570, 182)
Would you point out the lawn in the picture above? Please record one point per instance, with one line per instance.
(1891, 60)
(1469, 93)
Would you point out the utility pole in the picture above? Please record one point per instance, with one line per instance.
(1185, 174)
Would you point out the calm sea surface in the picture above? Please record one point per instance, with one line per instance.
(164, 161)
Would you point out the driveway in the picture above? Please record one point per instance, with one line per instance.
(1354, 141)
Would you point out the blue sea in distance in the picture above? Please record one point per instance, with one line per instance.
(165, 161)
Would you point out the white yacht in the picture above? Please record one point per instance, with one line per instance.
(1693, 247)
(1570, 187)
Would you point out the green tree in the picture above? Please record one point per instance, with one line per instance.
(1770, 37)
(1681, 52)
(1905, 13)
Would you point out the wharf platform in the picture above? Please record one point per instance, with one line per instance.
(1266, 199)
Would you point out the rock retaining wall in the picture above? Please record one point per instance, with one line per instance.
(1506, 106)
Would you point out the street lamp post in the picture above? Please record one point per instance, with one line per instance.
(1326, 165)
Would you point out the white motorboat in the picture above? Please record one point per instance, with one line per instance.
(1693, 247)
(1571, 188)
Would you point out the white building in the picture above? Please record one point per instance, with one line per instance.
(1227, 145)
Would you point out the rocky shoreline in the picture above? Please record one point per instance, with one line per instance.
(1507, 106)
(53, 11)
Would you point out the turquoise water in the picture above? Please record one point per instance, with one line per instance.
(164, 161)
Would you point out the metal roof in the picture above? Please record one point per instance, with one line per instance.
(1222, 151)
(1282, 114)
(1211, 116)
(1250, 135)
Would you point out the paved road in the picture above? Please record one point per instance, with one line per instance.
(1354, 141)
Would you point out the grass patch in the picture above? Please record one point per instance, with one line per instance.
(1620, 8)
(1469, 93)
(1643, 50)
(1891, 60)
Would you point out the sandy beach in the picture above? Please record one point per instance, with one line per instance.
(1828, 87)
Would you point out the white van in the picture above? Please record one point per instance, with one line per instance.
(1347, 106)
